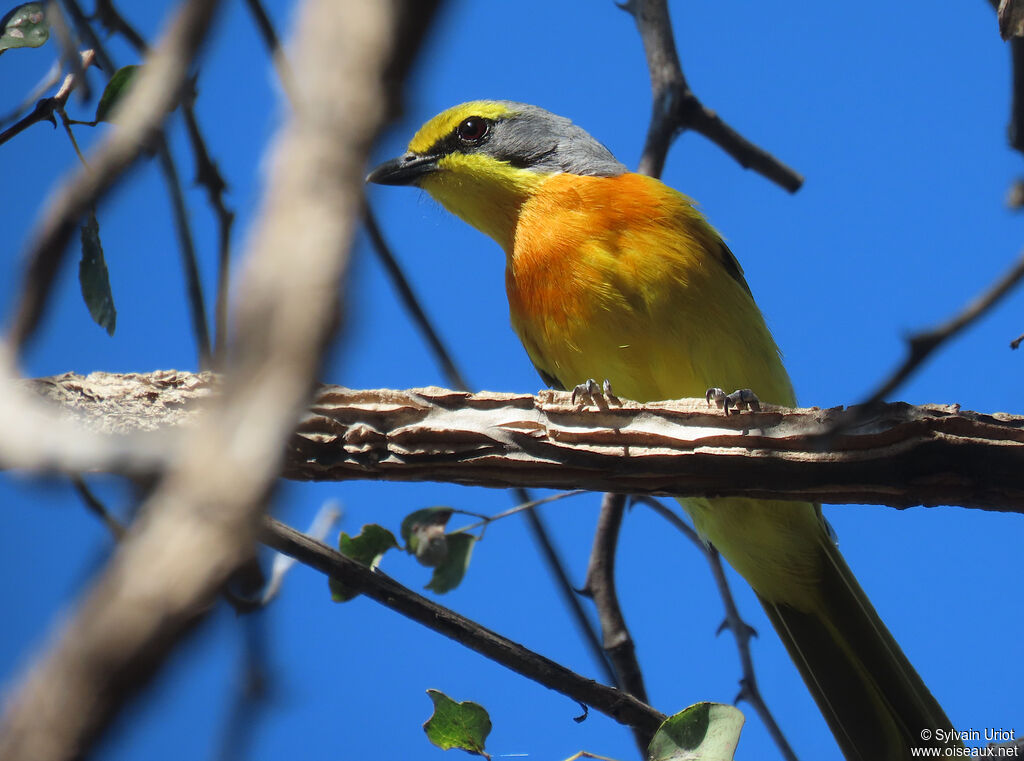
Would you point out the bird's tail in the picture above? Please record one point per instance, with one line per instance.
(875, 703)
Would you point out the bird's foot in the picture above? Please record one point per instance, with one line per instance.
(739, 400)
(590, 388)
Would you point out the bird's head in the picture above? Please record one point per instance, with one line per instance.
(483, 159)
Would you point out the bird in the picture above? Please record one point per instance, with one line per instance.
(614, 275)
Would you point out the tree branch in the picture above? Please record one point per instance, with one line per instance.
(385, 590)
(921, 345)
(600, 587)
(677, 109)
(899, 454)
(157, 91)
(200, 523)
(45, 107)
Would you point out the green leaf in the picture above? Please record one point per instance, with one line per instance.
(702, 732)
(452, 569)
(93, 277)
(24, 27)
(457, 725)
(424, 537)
(367, 548)
(118, 86)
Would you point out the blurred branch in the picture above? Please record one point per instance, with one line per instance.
(200, 523)
(251, 692)
(98, 508)
(48, 80)
(187, 246)
(277, 54)
(1011, 18)
(921, 345)
(412, 304)
(324, 521)
(46, 107)
(742, 631)
(157, 91)
(677, 109)
(1015, 129)
(564, 585)
(86, 32)
(69, 55)
(208, 175)
(600, 587)
(898, 454)
(114, 22)
(378, 586)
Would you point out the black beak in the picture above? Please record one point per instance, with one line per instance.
(405, 170)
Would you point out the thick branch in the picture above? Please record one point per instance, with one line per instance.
(201, 521)
(378, 586)
(898, 454)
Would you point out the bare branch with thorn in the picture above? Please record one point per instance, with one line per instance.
(676, 108)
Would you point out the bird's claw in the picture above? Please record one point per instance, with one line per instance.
(590, 388)
(739, 400)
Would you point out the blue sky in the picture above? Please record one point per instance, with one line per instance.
(896, 116)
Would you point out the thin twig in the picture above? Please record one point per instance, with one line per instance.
(412, 303)
(48, 80)
(68, 50)
(46, 107)
(157, 91)
(86, 32)
(251, 692)
(742, 631)
(385, 590)
(109, 16)
(169, 171)
(207, 174)
(487, 520)
(676, 108)
(921, 345)
(600, 587)
(324, 521)
(187, 247)
(98, 508)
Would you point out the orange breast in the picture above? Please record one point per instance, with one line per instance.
(622, 278)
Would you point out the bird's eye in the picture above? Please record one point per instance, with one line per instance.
(472, 129)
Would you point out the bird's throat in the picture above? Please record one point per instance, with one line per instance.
(487, 197)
